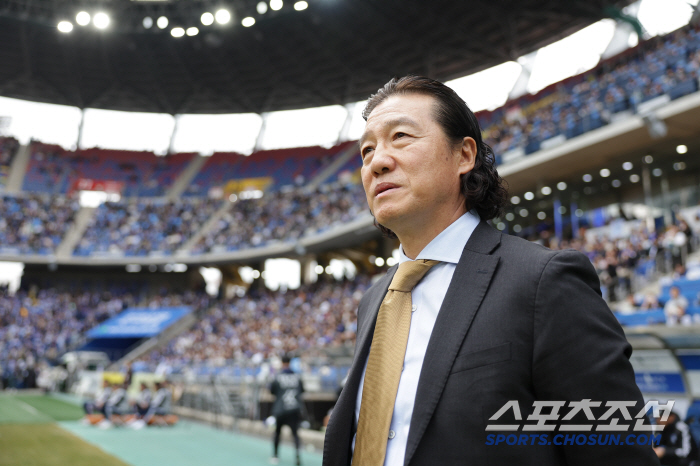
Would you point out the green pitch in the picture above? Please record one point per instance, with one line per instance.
(44, 431)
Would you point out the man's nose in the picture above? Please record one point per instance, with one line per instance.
(382, 160)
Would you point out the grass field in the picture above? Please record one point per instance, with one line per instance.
(37, 430)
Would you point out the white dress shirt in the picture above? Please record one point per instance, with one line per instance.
(427, 297)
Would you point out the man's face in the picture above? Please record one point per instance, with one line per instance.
(410, 168)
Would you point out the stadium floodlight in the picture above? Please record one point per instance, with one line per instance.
(627, 166)
(679, 166)
(529, 195)
(379, 261)
(147, 22)
(65, 27)
(657, 172)
(648, 159)
(546, 190)
(605, 173)
(83, 18)
(634, 178)
(262, 8)
(517, 228)
(300, 6)
(510, 216)
(193, 31)
(682, 149)
(223, 16)
(579, 213)
(276, 4)
(561, 186)
(616, 183)
(162, 22)
(515, 200)
(207, 19)
(177, 32)
(100, 20)
(541, 215)
(248, 21)
(562, 209)
(523, 212)
(587, 178)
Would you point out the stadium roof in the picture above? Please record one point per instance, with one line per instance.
(333, 52)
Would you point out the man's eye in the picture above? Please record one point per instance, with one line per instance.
(400, 135)
(365, 151)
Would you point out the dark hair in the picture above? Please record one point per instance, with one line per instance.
(482, 187)
(286, 359)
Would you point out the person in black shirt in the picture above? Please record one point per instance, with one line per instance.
(287, 389)
(677, 446)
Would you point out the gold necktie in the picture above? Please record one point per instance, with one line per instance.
(385, 364)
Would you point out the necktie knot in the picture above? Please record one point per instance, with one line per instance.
(410, 273)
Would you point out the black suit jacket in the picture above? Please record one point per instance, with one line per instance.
(519, 322)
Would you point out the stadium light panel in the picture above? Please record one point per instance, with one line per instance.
(83, 18)
(65, 27)
(319, 269)
(193, 31)
(301, 6)
(616, 183)
(562, 209)
(541, 215)
(648, 159)
(529, 195)
(587, 178)
(262, 8)
(379, 261)
(561, 186)
(147, 22)
(162, 22)
(682, 149)
(101, 20)
(627, 166)
(634, 178)
(177, 32)
(656, 172)
(510, 216)
(207, 19)
(523, 212)
(546, 190)
(515, 200)
(223, 16)
(248, 21)
(605, 173)
(517, 228)
(276, 4)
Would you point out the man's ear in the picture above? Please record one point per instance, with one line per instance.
(467, 155)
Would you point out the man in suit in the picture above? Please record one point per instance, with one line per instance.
(494, 319)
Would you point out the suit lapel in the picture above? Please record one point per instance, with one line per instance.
(464, 295)
(340, 429)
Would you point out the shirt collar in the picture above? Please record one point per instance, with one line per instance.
(448, 245)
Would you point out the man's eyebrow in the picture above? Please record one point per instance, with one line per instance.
(390, 124)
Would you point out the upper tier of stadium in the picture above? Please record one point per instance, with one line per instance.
(277, 63)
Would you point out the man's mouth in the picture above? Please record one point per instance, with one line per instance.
(384, 187)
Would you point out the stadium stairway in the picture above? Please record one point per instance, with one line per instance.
(18, 170)
(70, 240)
(185, 178)
(333, 167)
(208, 225)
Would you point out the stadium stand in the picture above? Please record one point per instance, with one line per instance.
(268, 323)
(284, 167)
(8, 150)
(143, 227)
(57, 171)
(34, 223)
(282, 217)
(39, 325)
(662, 67)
